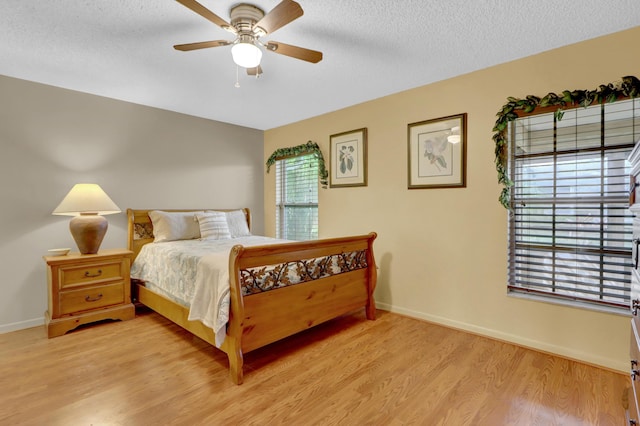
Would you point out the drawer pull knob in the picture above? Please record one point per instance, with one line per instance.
(634, 363)
(88, 274)
(635, 305)
(93, 299)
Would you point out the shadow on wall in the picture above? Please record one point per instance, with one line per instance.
(383, 289)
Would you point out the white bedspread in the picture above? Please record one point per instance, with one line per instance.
(195, 273)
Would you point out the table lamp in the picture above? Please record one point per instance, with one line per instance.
(87, 202)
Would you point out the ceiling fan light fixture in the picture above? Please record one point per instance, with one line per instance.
(249, 23)
(246, 54)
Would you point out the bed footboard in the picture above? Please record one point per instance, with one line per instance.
(338, 277)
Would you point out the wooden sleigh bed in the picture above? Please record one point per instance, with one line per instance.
(261, 318)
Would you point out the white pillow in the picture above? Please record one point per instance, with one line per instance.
(237, 223)
(171, 226)
(213, 226)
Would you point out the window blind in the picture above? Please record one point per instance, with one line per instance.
(570, 229)
(297, 198)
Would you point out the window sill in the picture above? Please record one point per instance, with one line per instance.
(571, 304)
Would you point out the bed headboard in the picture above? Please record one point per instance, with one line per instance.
(141, 229)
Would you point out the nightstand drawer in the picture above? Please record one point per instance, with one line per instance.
(85, 299)
(91, 273)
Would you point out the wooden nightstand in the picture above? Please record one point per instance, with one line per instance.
(84, 288)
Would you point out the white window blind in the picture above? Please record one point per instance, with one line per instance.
(570, 231)
(297, 198)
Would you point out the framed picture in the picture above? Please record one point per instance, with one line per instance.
(348, 159)
(438, 153)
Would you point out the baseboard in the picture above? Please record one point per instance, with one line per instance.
(15, 326)
(587, 358)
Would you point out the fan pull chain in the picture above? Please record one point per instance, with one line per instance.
(237, 77)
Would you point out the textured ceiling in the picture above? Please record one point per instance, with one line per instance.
(122, 49)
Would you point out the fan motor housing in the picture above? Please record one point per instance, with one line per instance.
(244, 16)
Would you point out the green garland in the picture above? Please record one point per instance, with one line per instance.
(306, 148)
(629, 87)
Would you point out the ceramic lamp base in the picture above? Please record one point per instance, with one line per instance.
(88, 230)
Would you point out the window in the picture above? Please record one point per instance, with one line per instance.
(570, 231)
(297, 198)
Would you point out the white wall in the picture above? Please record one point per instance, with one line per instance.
(52, 138)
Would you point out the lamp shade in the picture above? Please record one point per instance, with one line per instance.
(86, 198)
(246, 54)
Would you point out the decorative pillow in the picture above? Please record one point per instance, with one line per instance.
(171, 226)
(237, 223)
(213, 226)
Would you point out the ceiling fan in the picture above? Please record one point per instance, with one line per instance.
(249, 23)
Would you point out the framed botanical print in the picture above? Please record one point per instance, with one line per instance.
(437, 153)
(348, 159)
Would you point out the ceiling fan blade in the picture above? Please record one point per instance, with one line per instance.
(201, 45)
(255, 71)
(294, 51)
(207, 14)
(286, 11)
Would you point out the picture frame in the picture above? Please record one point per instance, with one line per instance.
(348, 159)
(437, 153)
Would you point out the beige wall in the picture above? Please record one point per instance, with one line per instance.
(51, 138)
(442, 252)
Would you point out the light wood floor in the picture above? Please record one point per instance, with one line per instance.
(392, 371)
